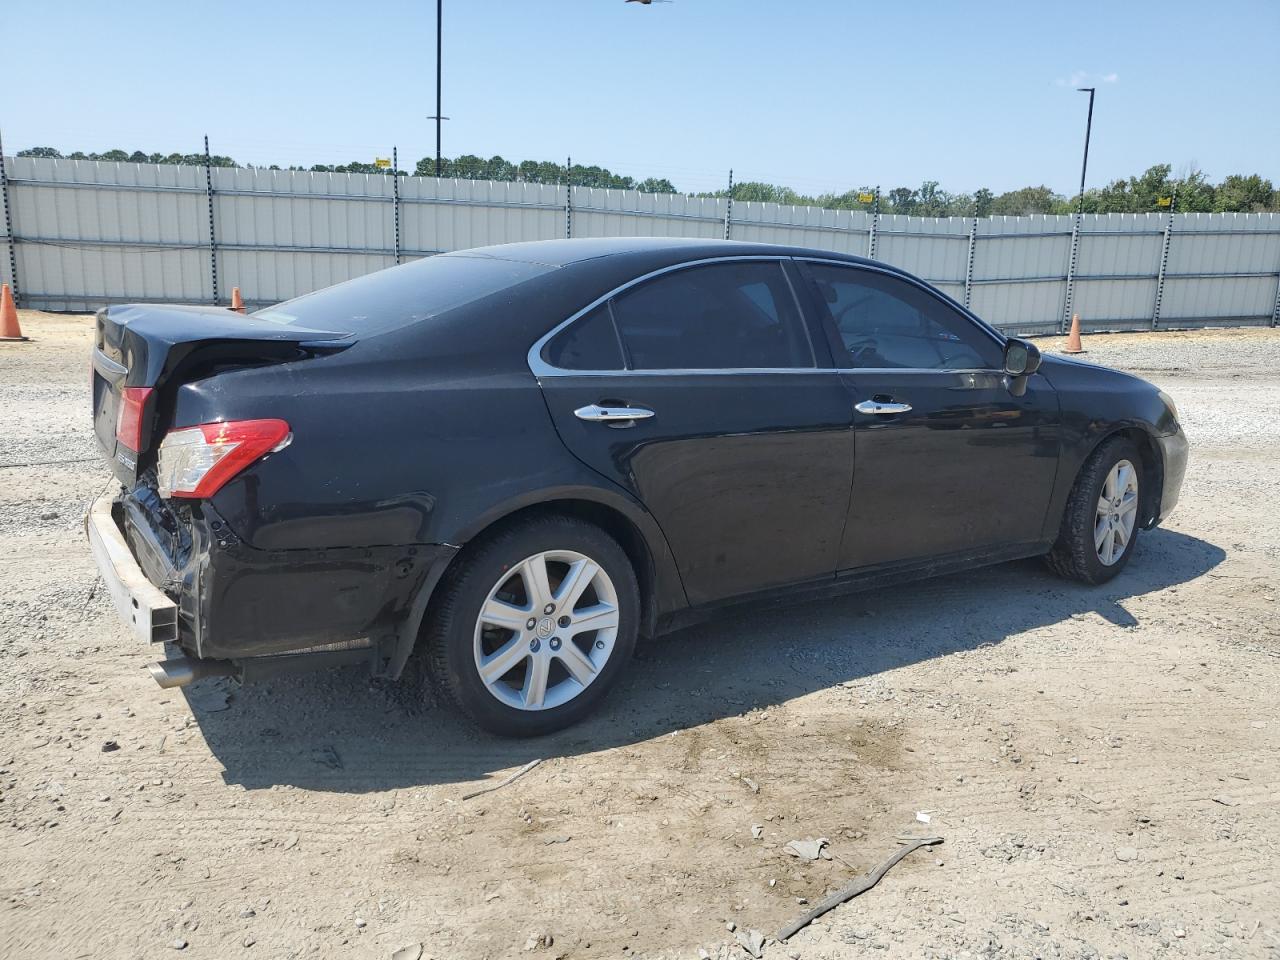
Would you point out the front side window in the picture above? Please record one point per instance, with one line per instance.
(886, 322)
(714, 317)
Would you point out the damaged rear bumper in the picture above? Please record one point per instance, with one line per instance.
(196, 584)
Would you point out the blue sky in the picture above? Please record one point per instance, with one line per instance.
(816, 95)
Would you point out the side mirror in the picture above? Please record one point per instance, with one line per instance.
(1021, 358)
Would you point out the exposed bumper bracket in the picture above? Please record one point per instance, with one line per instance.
(150, 614)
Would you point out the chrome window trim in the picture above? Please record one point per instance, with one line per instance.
(919, 370)
(541, 368)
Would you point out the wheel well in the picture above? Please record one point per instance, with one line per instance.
(611, 522)
(1152, 469)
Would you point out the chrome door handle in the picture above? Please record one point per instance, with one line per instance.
(595, 412)
(876, 406)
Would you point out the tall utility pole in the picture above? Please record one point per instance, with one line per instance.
(439, 115)
(1088, 129)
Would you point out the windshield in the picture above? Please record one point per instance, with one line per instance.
(402, 295)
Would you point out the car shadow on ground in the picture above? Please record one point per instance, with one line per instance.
(339, 732)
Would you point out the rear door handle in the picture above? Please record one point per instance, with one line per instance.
(883, 408)
(596, 412)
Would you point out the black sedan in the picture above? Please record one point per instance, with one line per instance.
(518, 459)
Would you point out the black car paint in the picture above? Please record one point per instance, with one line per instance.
(144, 345)
(409, 443)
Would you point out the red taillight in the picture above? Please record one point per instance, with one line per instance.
(196, 462)
(133, 402)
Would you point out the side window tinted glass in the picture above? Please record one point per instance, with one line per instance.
(589, 343)
(719, 316)
(887, 322)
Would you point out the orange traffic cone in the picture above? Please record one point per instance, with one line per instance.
(1073, 338)
(9, 328)
(236, 303)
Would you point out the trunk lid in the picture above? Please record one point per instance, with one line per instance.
(161, 346)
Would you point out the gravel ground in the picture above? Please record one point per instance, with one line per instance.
(1104, 764)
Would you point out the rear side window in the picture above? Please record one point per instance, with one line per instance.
(885, 322)
(713, 317)
(590, 343)
(382, 301)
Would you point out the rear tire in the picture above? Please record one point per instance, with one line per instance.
(533, 625)
(1101, 525)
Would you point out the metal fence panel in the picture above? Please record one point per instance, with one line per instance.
(92, 232)
(599, 212)
(933, 248)
(88, 233)
(1020, 271)
(282, 233)
(441, 215)
(842, 231)
(1242, 249)
(1116, 270)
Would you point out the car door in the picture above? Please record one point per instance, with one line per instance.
(697, 389)
(949, 461)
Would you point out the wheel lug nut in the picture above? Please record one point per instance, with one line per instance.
(531, 623)
(535, 645)
(599, 644)
(564, 621)
(549, 608)
(555, 643)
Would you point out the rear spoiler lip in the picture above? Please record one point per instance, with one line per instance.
(176, 329)
(150, 346)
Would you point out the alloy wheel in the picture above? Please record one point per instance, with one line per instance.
(1117, 513)
(546, 630)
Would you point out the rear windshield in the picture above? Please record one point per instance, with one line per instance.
(402, 295)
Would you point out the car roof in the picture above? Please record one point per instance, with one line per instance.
(564, 252)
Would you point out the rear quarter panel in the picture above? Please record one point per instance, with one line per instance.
(395, 449)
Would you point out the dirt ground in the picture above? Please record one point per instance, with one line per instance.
(1103, 763)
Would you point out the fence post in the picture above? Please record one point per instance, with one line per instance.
(875, 222)
(1275, 312)
(213, 241)
(728, 210)
(395, 181)
(1071, 274)
(8, 225)
(1164, 259)
(968, 273)
(568, 197)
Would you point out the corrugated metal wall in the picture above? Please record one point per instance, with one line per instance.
(89, 233)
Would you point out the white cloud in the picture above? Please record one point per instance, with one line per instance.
(1084, 78)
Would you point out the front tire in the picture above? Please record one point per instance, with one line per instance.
(534, 625)
(1102, 521)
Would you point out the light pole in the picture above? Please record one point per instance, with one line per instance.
(439, 114)
(1088, 129)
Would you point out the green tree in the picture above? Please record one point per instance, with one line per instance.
(754, 190)
(656, 185)
(1194, 192)
(1139, 194)
(930, 200)
(902, 200)
(1240, 193)
(355, 166)
(1028, 200)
